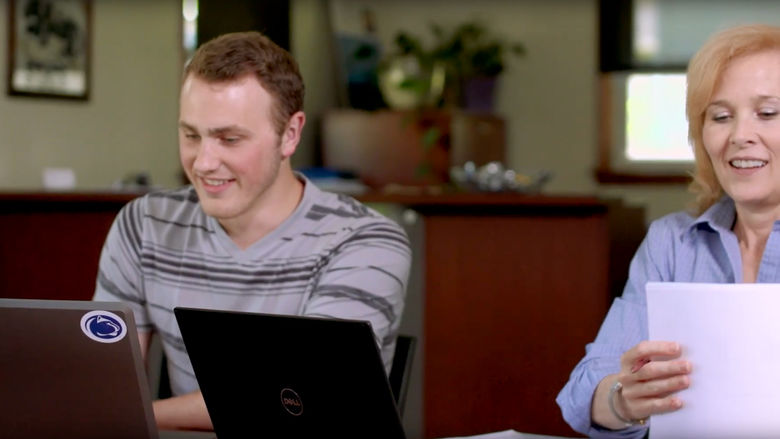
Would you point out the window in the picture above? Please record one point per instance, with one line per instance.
(644, 137)
(189, 12)
(644, 50)
(655, 118)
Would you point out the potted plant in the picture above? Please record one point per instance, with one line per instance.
(411, 77)
(461, 68)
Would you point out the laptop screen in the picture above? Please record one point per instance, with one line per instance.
(267, 375)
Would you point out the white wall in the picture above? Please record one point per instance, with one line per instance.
(128, 124)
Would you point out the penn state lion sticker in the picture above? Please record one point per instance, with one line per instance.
(103, 326)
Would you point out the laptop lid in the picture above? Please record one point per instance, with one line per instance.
(269, 375)
(72, 369)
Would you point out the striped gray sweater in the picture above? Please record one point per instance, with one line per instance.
(332, 257)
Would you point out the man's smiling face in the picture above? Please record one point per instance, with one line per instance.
(228, 145)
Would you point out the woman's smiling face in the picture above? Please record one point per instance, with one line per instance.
(741, 131)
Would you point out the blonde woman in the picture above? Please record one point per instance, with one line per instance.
(731, 236)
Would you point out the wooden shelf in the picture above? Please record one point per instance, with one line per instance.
(394, 147)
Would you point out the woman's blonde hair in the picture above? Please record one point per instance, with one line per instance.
(704, 73)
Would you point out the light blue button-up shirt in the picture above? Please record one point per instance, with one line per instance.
(677, 248)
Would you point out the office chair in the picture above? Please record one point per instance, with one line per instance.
(164, 383)
(401, 369)
(157, 371)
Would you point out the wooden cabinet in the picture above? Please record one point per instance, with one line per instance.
(51, 242)
(514, 288)
(409, 147)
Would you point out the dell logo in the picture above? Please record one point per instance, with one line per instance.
(291, 402)
(103, 326)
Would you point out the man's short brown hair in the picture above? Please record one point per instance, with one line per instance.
(231, 56)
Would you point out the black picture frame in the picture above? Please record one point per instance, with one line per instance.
(49, 48)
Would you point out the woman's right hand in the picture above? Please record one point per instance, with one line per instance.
(650, 373)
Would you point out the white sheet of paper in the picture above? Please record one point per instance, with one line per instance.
(731, 335)
(508, 434)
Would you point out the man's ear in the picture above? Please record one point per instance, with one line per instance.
(292, 133)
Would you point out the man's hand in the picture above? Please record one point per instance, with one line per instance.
(185, 412)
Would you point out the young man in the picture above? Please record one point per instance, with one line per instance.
(249, 234)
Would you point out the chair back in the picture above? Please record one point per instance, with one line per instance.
(401, 369)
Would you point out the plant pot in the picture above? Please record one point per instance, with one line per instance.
(406, 83)
(478, 93)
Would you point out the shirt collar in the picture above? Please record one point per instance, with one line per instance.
(719, 217)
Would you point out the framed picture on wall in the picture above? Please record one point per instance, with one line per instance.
(49, 48)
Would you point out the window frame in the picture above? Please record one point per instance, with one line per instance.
(611, 122)
(615, 58)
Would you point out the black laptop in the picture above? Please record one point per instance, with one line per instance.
(269, 375)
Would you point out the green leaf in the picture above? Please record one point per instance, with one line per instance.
(430, 137)
(413, 84)
(423, 169)
(364, 51)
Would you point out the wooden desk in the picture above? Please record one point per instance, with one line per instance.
(51, 242)
(514, 288)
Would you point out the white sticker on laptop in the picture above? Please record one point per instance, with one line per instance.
(103, 326)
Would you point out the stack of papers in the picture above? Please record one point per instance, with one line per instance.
(731, 335)
(508, 434)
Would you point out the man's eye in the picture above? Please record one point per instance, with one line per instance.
(230, 140)
(767, 114)
(192, 136)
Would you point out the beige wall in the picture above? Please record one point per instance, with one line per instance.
(129, 123)
(310, 46)
(548, 97)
